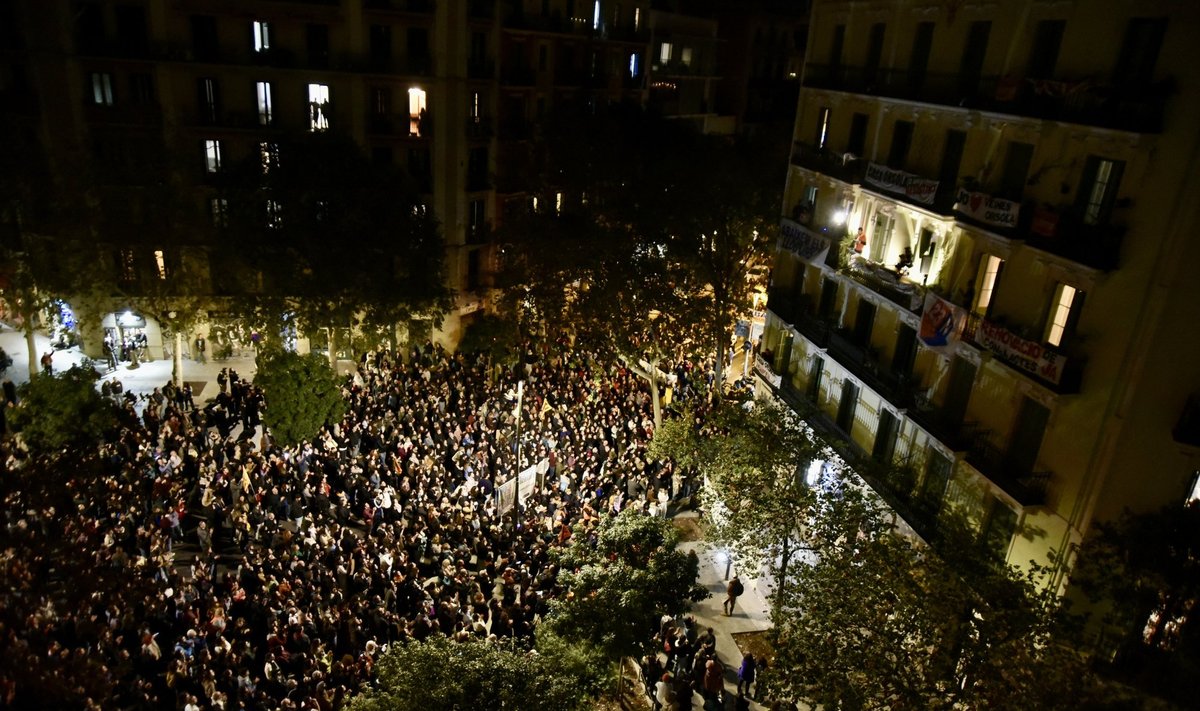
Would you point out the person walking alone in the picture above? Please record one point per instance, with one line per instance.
(732, 592)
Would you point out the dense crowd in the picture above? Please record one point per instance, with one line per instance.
(275, 576)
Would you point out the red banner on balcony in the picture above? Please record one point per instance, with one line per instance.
(988, 209)
(922, 190)
(802, 242)
(941, 323)
(1029, 356)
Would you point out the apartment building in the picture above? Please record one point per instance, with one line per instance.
(983, 276)
(138, 94)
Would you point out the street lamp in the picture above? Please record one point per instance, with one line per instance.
(517, 481)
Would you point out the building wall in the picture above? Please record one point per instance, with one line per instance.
(1104, 432)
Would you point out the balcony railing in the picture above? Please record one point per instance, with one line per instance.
(1031, 359)
(885, 282)
(1028, 489)
(826, 162)
(1129, 107)
(1061, 231)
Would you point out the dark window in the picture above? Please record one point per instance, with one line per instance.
(418, 50)
(1016, 169)
(204, 37)
(473, 269)
(477, 168)
(381, 47)
(814, 378)
(837, 47)
(937, 476)
(825, 308)
(318, 45)
(1043, 55)
(89, 28)
(858, 134)
(974, 52)
(952, 153)
(1139, 51)
(906, 345)
(864, 322)
(141, 88)
(874, 52)
(1098, 189)
(208, 100)
(1028, 431)
(902, 135)
(846, 406)
(381, 101)
(131, 29)
(885, 437)
(918, 62)
(958, 391)
(478, 47)
(925, 251)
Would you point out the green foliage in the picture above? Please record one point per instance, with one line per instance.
(63, 410)
(753, 461)
(302, 395)
(440, 675)
(621, 580)
(879, 621)
(495, 336)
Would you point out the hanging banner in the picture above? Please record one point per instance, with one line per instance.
(802, 242)
(763, 370)
(915, 187)
(941, 323)
(988, 209)
(528, 478)
(1029, 356)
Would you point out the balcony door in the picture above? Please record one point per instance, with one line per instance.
(937, 478)
(906, 351)
(825, 308)
(885, 437)
(813, 391)
(846, 406)
(958, 391)
(864, 323)
(1027, 436)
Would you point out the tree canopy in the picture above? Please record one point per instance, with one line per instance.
(440, 675)
(63, 410)
(302, 395)
(621, 578)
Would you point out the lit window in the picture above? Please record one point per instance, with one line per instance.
(822, 126)
(987, 283)
(269, 155)
(318, 107)
(557, 203)
(637, 19)
(533, 204)
(161, 263)
(1064, 298)
(212, 156)
(596, 15)
(634, 60)
(416, 111)
(1100, 195)
(265, 114)
(128, 264)
(685, 56)
(274, 216)
(102, 91)
(262, 36)
(476, 109)
(664, 53)
(1194, 494)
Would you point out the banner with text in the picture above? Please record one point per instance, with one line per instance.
(941, 323)
(898, 181)
(1030, 356)
(763, 369)
(985, 208)
(528, 478)
(802, 242)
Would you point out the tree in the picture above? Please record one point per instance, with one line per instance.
(332, 240)
(63, 410)
(880, 621)
(438, 674)
(1141, 574)
(302, 395)
(754, 462)
(496, 336)
(621, 579)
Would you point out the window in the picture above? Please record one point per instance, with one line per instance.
(989, 274)
(268, 154)
(274, 215)
(131, 29)
(1139, 51)
(974, 52)
(596, 15)
(475, 217)
(160, 263)
(1016, 169)
(557, 203)
(212, 156)
(218, 209)
(810, 195)
(317, 44)
(127, 265)
(204, 37)
(102, 89)
(1064, 313)
(476, 107)
(918, 61)
(874, 51)
(664, 53)
(1043, 55)
(141, 87)
(837, 46)
(262, 36)
(318, 107)
(1101, 178)
(822, 126)
(685, 56)
(634, 62)
(265, 115)
(858, 134)
(208, 99)
(380, 46)
(902, 134)
(1194, 491)
(637, 19)
(417, 114)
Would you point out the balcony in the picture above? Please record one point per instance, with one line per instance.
(826, 162)
(395, 125)
(1127, 108)
(886, 283)
(1054, 370)
(991, 462)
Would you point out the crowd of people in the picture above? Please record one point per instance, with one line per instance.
(273, 577)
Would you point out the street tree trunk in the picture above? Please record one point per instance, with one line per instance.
(31, 345)
(177, 360)
(784, 559)
(333, 348)
(722, 349)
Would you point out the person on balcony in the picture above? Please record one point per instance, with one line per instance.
(860, 241)
(905, 263)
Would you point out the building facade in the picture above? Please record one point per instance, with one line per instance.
(982, 280)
